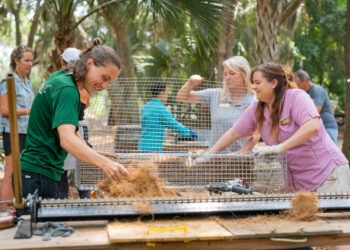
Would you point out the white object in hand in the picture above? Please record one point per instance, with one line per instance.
(196, 77)
(269, 150)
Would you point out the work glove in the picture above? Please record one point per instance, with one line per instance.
(194, 134)
(53, 229)
(197, 160)
(269, 150)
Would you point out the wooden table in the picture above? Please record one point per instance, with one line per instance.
(195, 233)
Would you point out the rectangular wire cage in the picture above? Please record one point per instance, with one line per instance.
(265, 174)
(132, 123)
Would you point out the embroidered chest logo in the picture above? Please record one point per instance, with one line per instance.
(285, 120)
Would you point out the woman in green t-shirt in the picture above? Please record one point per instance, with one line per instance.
(53, 125)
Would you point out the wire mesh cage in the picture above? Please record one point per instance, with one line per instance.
(132, 117)
(153, 120)
(265, 174)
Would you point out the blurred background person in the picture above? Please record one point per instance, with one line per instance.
(321, 99)
(227, 103)
(155, 118)
(21, 62)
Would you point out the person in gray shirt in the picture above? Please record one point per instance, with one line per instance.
(227, 103)
(321, 99)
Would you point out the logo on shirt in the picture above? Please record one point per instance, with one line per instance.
(43, 88)
(284, 120)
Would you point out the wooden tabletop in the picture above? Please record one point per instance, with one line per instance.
(259, 232)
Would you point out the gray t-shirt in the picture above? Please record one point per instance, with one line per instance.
(223, 114)
(321, 99)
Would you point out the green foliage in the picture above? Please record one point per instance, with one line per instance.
(319, 39)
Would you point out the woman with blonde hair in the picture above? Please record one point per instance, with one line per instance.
(288, 122)
(227, 103)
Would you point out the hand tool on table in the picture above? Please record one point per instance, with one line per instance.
(235, 186)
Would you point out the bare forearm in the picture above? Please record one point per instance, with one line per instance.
(304, 133)
(251, 142)
(20, 112)
(227, 139)
(76, 146)
(184, 93)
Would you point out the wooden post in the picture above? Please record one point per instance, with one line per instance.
(14, 139)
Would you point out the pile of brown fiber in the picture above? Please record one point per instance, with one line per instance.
(141, 182)
(304, 206)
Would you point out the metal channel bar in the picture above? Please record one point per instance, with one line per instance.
(58, 210)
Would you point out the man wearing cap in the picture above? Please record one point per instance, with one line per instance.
(321, 99)
(68, 58)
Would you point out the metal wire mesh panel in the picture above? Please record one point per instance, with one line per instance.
(151, 120)
(180, 170)
(132, 117)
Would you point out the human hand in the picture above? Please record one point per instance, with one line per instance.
(114, 170)
(195, 80)
(194, 134)
(269, 150)
(197, 160)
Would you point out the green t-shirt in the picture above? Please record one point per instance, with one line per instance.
(56, 73)
(57, 103)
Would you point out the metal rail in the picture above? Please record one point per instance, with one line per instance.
(111, 208)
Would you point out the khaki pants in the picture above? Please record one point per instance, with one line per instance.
(337, 182)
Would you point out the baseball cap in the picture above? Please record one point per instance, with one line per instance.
(70, 55)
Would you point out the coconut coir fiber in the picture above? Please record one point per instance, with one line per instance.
(304, 206)
(140, 183)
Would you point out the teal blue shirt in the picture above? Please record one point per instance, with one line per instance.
(155, 118)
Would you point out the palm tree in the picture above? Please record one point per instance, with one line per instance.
(271, 15)
(225, 39)
(172, 14)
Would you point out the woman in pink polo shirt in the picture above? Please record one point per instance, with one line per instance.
(289, 122)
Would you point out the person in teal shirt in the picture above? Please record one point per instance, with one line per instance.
(155, 118)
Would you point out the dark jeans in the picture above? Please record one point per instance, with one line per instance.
(63, 188)
(47, 187)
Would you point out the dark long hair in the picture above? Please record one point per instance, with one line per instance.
(273, 71)
(101, 55)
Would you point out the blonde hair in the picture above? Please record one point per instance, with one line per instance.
(241, 64)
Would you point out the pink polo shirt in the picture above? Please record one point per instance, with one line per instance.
(309, 164)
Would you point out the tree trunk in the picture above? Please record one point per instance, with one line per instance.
(225, 42)
(270, 17)
(124, 109)
(16, 13)
(266, 32)
(346, 143)
(63, 38)
(34, 24)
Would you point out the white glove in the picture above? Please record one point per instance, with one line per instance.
(269, 150)
(202, 158)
